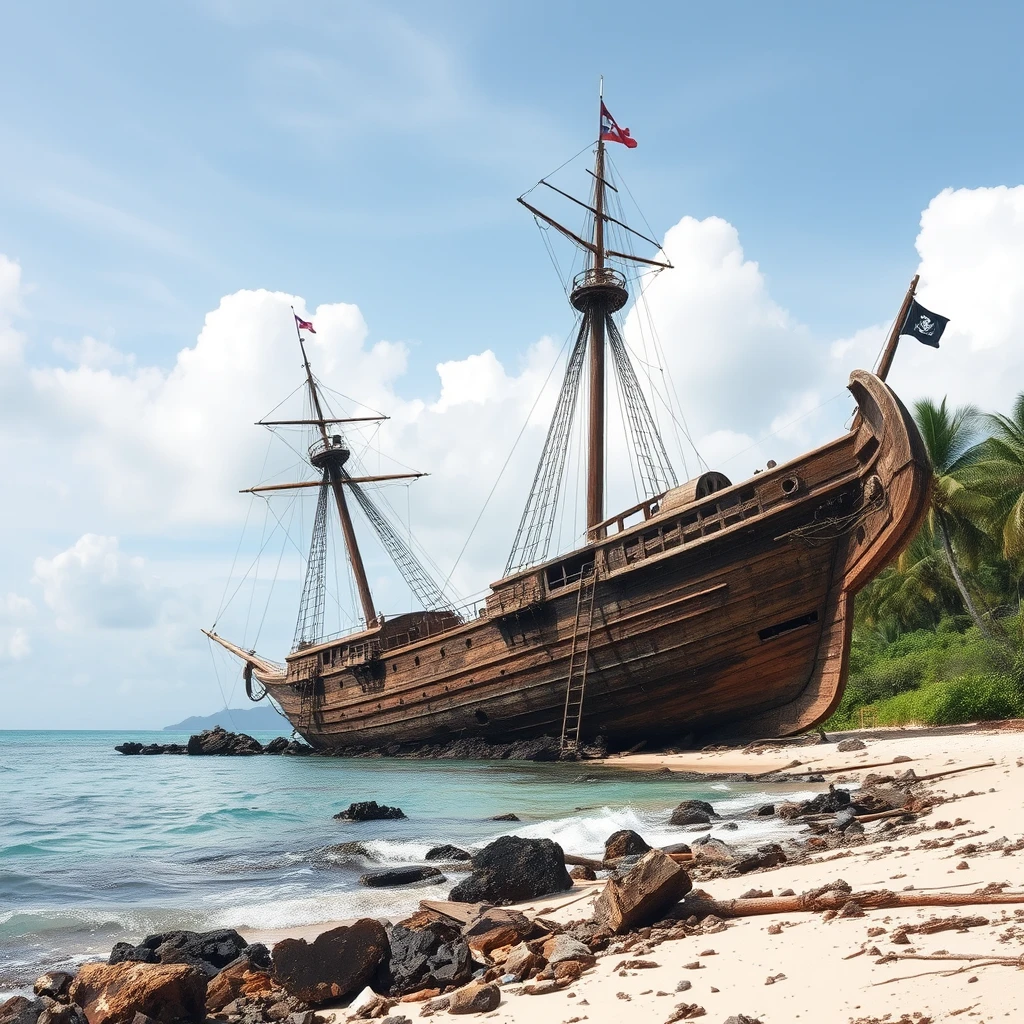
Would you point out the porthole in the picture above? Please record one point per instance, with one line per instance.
(469, 642)
(481, 717)
(790, 485)
(416, 660)
(441, 652)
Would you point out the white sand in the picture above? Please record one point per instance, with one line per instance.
(819, 984)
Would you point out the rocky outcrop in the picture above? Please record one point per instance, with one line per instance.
(220, 742)
(447, 852)
(427, 953)
(115, 993)
(642, 895)
(209, 951)
(625, 843)
(582, 873)
(512, 869)
(336, 964)
(400, 876)
(369, 810)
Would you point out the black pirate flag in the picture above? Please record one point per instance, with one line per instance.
(924, 325)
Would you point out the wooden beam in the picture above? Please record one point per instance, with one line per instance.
(319, 423)
(558, 227)
(345, 480)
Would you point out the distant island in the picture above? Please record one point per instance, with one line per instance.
(262, 719)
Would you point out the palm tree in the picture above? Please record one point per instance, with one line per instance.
(1000, 475)
(957, 510)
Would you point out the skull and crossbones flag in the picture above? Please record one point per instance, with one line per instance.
(924, 325)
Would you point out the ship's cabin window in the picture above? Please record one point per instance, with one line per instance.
(568, 571)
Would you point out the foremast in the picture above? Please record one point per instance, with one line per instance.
(332, 458)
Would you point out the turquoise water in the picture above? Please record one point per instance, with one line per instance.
(96, 847)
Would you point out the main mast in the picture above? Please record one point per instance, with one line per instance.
(595, 442)
(331, 457)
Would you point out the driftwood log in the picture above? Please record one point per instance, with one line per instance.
(699, 904)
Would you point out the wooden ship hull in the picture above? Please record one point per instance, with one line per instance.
(728, 613)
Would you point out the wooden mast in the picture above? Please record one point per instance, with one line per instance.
(894, 338)
(596, 433)
(334, 472)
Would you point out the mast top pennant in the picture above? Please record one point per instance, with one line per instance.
(304, 325)
(611, 132)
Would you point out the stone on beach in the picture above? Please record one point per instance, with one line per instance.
(370, 810)
(21, 1010)
(582, 873)
(643, 895)
(496, 927)
(209, 951)
(475, 999)
(337, 963)
(564, 947)
(624, 843)
(427, 952)
(401, 876)
(114, 993)
(712, 851)
(511, 870)
(845, 746)
(64, 1013)
(768, 856)
(237, 980)
(521, 961)
(54, 985)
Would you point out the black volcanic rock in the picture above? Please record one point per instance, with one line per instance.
(512, 869)
(447, 852)
(209, 951)
(400, 876)
(220, 742)
(370, 810)
(430, 954)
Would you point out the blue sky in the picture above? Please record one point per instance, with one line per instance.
(162, 162)
(157, 156)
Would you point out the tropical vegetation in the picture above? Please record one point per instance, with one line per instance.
(939, 635)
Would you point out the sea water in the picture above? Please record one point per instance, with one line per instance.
(96, 847)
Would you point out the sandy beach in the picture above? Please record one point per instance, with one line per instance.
(798, 966)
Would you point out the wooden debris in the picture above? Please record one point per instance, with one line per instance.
(699, 904)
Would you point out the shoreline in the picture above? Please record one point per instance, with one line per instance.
(786, 967)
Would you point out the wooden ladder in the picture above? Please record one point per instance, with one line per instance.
(579, 660)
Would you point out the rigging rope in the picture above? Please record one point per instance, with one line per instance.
(537, 522)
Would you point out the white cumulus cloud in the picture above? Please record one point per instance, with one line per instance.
(95, 584)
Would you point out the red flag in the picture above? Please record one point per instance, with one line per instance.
(307, 325)
(611, 132)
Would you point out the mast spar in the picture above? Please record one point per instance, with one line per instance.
(595, 434)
